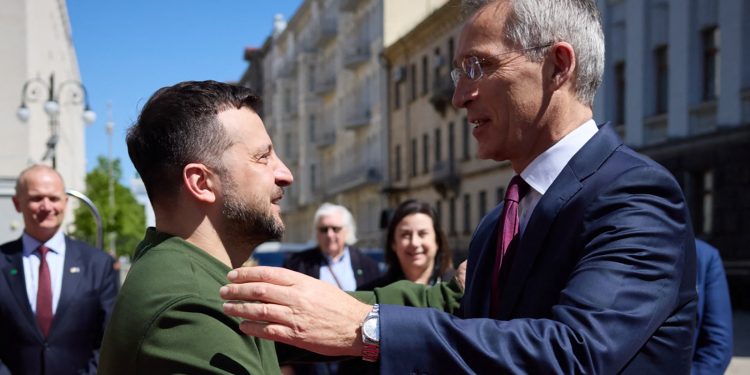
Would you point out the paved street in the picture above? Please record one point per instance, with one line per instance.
(740, 364)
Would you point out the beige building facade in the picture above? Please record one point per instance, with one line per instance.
(36, 44)
(324, 90)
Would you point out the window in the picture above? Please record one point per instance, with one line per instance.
(288, 144)
(711, 59)
(451, 142)
(619, 115)
(707, 202)
(397, 169)
(482, 204)
(438, 147)
(425, 153)
(661, 71)
(436, 68)
(465, 140)
(313, 179)
(467, 214)
(451, 49)
(311, 78)
(425, 69)
(452, 216)
(413, 81)
(413, 157)
(312, 128)
(439, 212)
(397, 94)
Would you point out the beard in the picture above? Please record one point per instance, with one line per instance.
(246, 220)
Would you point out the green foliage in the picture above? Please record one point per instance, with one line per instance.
(125, 220)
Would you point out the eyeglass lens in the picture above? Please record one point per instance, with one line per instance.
(324, 229)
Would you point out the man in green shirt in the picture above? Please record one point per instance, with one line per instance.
(215, 183)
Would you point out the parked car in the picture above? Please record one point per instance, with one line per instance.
(273, 253)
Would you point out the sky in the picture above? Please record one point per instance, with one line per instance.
(127, 49)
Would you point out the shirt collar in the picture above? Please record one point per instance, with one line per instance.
(344, 256)
(544, 169)
(56, 244)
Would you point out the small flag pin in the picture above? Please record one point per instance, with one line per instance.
(75, 269)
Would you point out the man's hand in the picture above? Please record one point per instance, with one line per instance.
(461, 275)
(289, 307)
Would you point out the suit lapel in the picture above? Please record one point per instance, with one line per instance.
(73, 270)
(570, 181)
(15, 277)
(479, 268)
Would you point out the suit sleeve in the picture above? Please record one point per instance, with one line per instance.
(107, 295)
(713, 350)
(634, 239)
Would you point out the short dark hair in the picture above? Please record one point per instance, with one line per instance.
(443, 257)
(177, 126)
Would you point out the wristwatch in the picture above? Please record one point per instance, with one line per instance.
(371, 335)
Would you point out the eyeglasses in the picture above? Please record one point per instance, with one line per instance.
(471, 67)
(325, 229)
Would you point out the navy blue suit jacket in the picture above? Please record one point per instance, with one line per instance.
(309, 261)
(602, 282)
(713, 337)
(89, 289)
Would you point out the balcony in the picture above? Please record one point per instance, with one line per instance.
(655, 129)
(442, 94)
(324, 138)
(354, 178)
(287, 68)
(357, 117)
(444, 178)
(356, 55)
(324, 31)
(325, 84)
(702, 118)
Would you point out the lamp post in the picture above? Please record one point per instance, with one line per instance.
(30, 93)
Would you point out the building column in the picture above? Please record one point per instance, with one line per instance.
(679, 70)
(729, 111)
(634, 72)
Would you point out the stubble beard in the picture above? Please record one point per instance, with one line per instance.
(245, 219)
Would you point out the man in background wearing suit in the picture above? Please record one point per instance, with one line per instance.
(335, 260)
(56, 293)
(588, 266)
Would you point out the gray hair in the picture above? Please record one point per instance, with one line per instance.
(538, 22)
(349, 225)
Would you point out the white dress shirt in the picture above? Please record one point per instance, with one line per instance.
(343, 270)
(55, 262)
(544, 169)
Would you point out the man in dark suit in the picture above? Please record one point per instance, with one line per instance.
(588, 266)
(335, 260)
(56, 293)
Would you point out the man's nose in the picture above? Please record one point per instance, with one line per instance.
(283, 175)
(463, 93)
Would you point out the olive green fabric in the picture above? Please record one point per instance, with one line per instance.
(168, 317)
(445, 296)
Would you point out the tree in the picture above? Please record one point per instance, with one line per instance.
(124, 221)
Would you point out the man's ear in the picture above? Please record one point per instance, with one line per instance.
(562, 57)
(198, 182)
(16, 204)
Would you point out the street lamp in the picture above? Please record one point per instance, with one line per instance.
(30, 93)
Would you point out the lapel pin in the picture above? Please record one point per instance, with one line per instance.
(75, 269)
(13, 272)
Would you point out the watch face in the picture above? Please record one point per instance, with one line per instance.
(370, 329)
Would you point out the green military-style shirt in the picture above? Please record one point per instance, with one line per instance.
(168, 317)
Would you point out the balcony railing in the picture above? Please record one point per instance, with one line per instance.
(354, 178)
(325, 84)
(703, 118)
(655, 129)
(357, 54)
(445, 178)
(324, 138)
(357, 116)
(442, 94)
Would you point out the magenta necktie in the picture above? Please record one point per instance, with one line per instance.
(44, 293)
(507, 231)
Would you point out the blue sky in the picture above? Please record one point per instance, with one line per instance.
(127, 49)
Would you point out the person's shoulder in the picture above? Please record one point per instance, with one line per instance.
(11, 246)
(87, 250)
(305, 255)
